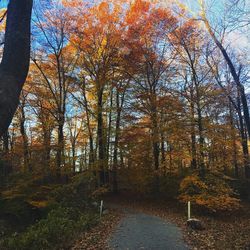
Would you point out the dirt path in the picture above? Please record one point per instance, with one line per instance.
(141, 231)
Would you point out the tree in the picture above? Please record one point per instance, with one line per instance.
(58, 68)
(233, 70)
(15, 61)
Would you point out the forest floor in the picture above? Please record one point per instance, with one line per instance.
(221, 232)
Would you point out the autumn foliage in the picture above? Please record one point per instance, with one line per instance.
(135, 97)
(213, 193)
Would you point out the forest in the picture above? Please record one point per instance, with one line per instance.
(121, 101)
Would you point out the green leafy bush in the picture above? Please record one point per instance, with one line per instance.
(213, 193)
(17, 211)
(76, 193)
(55, 232)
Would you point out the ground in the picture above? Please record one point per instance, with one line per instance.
(162, 225)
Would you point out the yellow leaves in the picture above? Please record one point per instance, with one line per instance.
(213, 193)
(102, 47)
(39, 204)
(3, 18)
(99, 192)
(193, 184)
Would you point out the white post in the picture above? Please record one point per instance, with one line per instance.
(189, 210)
(101, 208)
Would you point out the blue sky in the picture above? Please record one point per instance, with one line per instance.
(3, 3)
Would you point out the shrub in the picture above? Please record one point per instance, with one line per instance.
(169, 185)
(76, 193)
(17, 211)
(55, 232)
(99, 192)
(212, 193)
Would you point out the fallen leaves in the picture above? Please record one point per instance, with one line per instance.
(224, 232)
(97, 237)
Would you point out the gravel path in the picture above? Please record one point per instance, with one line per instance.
(142, 231)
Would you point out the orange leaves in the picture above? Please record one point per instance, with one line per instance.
(72, 3)
(213, 193)
(187, 33)
(103, 8)
(137, 11)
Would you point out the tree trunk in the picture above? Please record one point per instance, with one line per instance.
(117, 134)
(15, 61)
(47, 146)
(25, 141)
(60, 147)
(101, 151)
(155, 136)
(109, 129)
(6, 142)
(232, 70)
(193, 136)
(243, 140)
(163, 155)
(91, 141)
(234, 145)
(73, 148)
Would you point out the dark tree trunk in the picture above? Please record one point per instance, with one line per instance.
(60, 147)
(47, 146)
(117, 134)
(27, 165)
(109, 130)
(234, 145)
(193, 136)
(73, 148)
(91, 141)
(233, 73)
(15, 62)
(201, 142)
(243, 140)
(155, 135)
(6, 142)
(101, 151)
(163, 155)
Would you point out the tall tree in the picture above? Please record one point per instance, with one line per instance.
(16, 56)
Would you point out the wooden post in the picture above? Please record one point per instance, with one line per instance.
(101, 208)
(189, 210)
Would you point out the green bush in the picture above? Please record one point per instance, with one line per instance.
(17, 211)
(55, 232)
(77, 193)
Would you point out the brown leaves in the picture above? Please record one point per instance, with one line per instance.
(97, 237)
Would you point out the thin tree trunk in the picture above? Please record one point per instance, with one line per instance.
(47, 146)
(163, 155)
(117, 134)
(25, 141)
(101, 151)
(193, 136)
(109, 129)
(60, 147)
(73, 148)
(233, 135)
(6, 142)
(91, 141)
